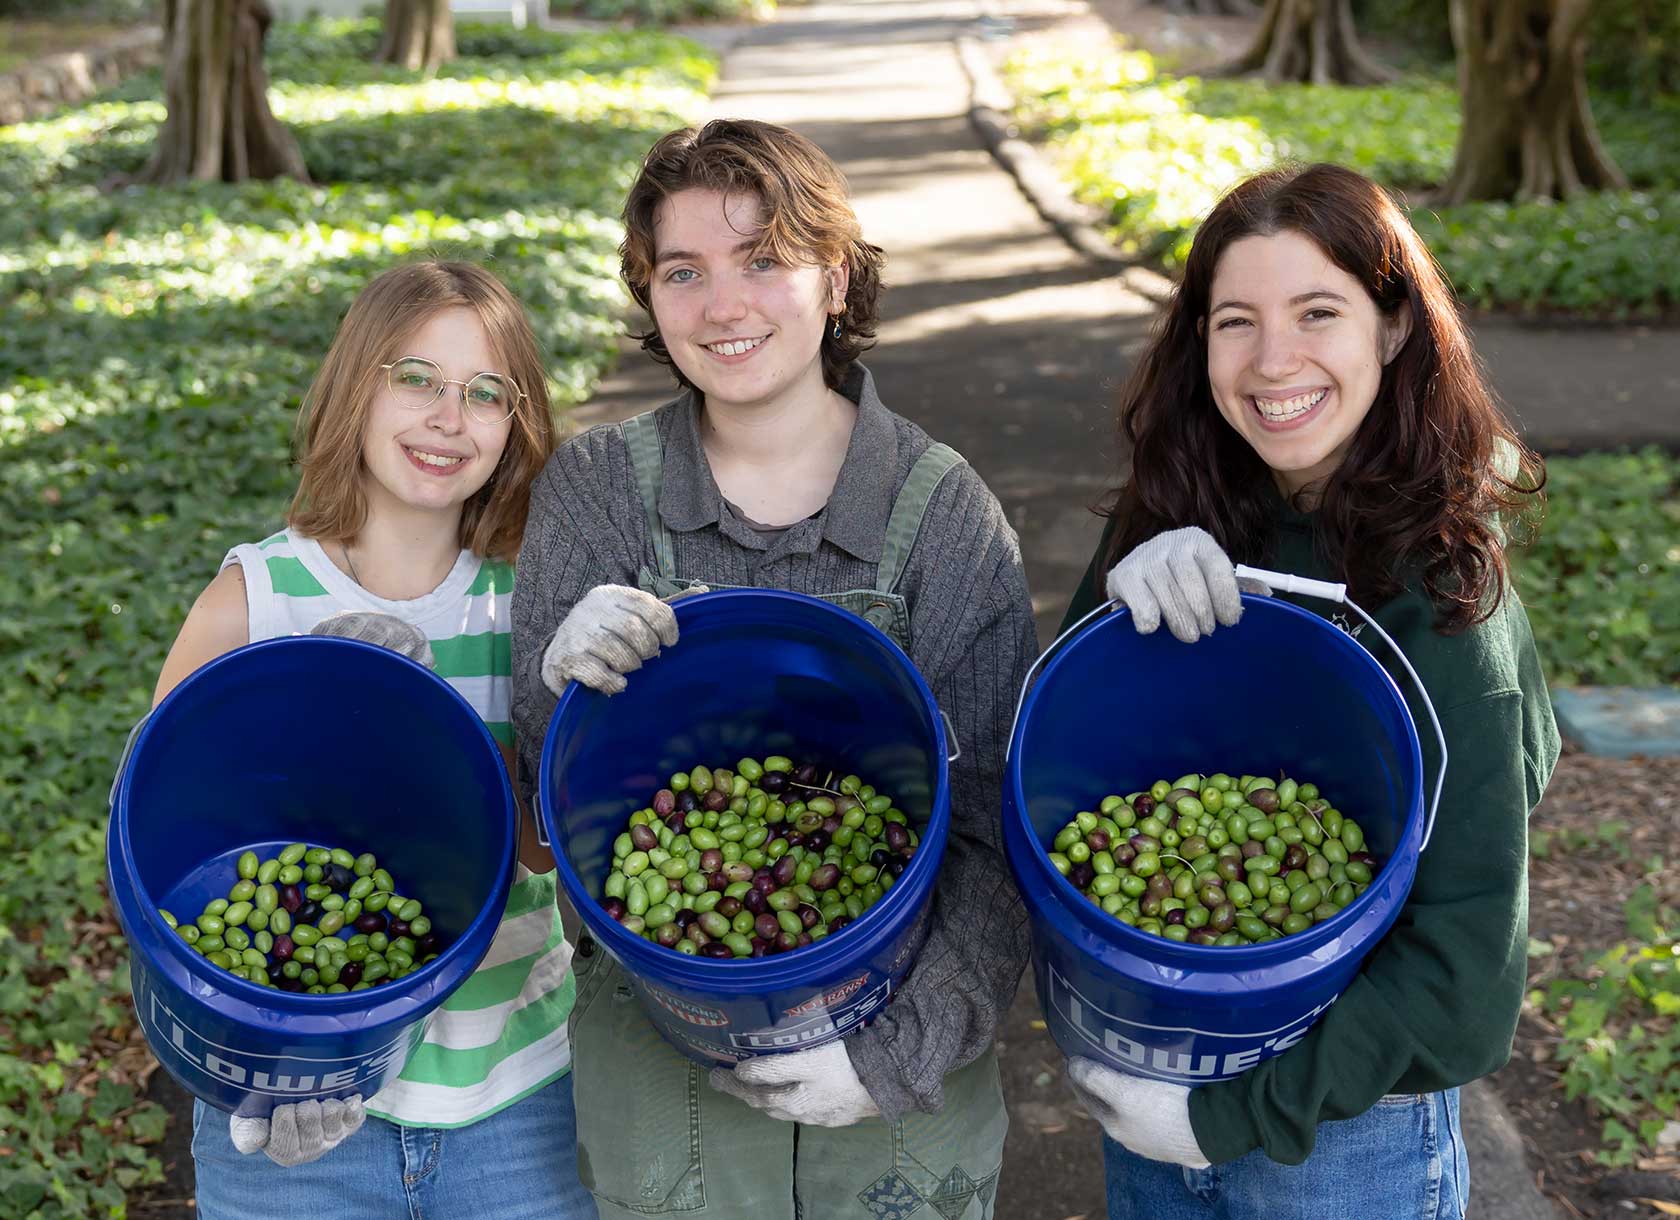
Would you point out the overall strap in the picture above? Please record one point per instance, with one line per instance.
(909, 509)
(647, 459)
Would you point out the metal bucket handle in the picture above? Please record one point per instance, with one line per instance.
(1278, 582)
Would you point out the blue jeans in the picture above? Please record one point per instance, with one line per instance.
(1403, 1159)
(518, 1164)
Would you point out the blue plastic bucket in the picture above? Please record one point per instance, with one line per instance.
(1114, 711)
(755, 672)
(304, 739)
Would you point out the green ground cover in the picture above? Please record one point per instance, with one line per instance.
(1153, 152)
(1601, 582)
(156, 345)
(665, 12)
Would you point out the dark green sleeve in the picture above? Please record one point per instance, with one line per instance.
(1436, 1003)
(1089, 592)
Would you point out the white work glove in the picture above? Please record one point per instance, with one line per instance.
(386, 630)
(609, 632)
(1184, 577)
(298, 1133)
(1148, 1117)
(818, 1087)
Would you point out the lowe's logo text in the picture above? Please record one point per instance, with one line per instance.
(277, 1075)
(1158, 1050)
(834, 1022)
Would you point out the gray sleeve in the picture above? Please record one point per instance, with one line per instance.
(973, 638)
(571, 545)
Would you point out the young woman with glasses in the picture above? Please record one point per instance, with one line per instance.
(418, 441)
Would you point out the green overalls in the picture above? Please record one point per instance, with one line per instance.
(655, 1139)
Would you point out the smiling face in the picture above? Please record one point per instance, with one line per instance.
(433, 458)
(745, 329)
(1296, 349)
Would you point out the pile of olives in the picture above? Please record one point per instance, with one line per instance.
(284, 923)
(756, 861)
(1213, 860)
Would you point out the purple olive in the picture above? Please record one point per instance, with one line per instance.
(845, 804)
(291, 898)
(369, 922)
(786, 942)
(1264, 799)
(1124, 854)
(678, 822)
(396, 927)
(754, 900)
(1097, 840)
(805, 773)
(337, 878)
(1144, 805)
(1081, 875)
(1211, 896)
(728, 907)
(795, 839)
(711, 860)
(643, 838)
(685, 917)
(1175, 917)
(350, 973)
(838, 922)
(687, 802)
(1202, 936)
(1229, 868)
(286, 984)
(309, 912)
(817, 839)
(879, 857)
(809, 915)
(824, 877)
(664, 802)
(427, 945)
(759, 948)
(1159, 886)
(897, 865)
(897, 836)
(804, 939)
(716, 948)
(1294, 856)
(766, 926)
(282, 948)
(274, 975)
(1142, 843)
(668, 934)
(1252, 848)
(773, 783)
(717, 881)
(715, 800)
(786, 869)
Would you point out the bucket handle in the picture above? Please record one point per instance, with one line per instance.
(954, 747)
(955, 750)
(122, 763)
(1281, 582)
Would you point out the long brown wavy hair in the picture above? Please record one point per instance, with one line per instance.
(1435, 477)
(330, 504)
(808, 220)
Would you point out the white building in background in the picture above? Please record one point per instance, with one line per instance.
(520, 12)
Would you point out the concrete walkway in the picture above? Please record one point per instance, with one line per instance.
(1002, 341)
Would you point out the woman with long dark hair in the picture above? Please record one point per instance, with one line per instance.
(1311, 404)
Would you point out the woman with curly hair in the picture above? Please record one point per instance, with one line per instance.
(1311, 404)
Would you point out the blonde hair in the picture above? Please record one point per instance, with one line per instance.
(330, 504)
(808, 219)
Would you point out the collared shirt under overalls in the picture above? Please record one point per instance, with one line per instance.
(678, 1147)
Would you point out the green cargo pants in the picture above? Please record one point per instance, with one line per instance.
(655, 1139)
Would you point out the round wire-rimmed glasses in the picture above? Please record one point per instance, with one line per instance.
(416, 382)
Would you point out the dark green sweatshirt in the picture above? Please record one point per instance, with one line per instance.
(1436, 1002)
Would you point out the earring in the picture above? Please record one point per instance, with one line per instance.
(836, 326)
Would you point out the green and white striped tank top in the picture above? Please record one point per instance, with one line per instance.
(502, 1034)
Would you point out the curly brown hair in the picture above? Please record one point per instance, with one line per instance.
(808, 220)
(1435, 476)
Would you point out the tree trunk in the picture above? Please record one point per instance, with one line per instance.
(219, 126)
(1527, 130)
(1211, 8)
(418, 34)
(1310, 40)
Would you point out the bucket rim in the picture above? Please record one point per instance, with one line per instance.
(1148, 947)
(250, 1002)
(795, 966)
